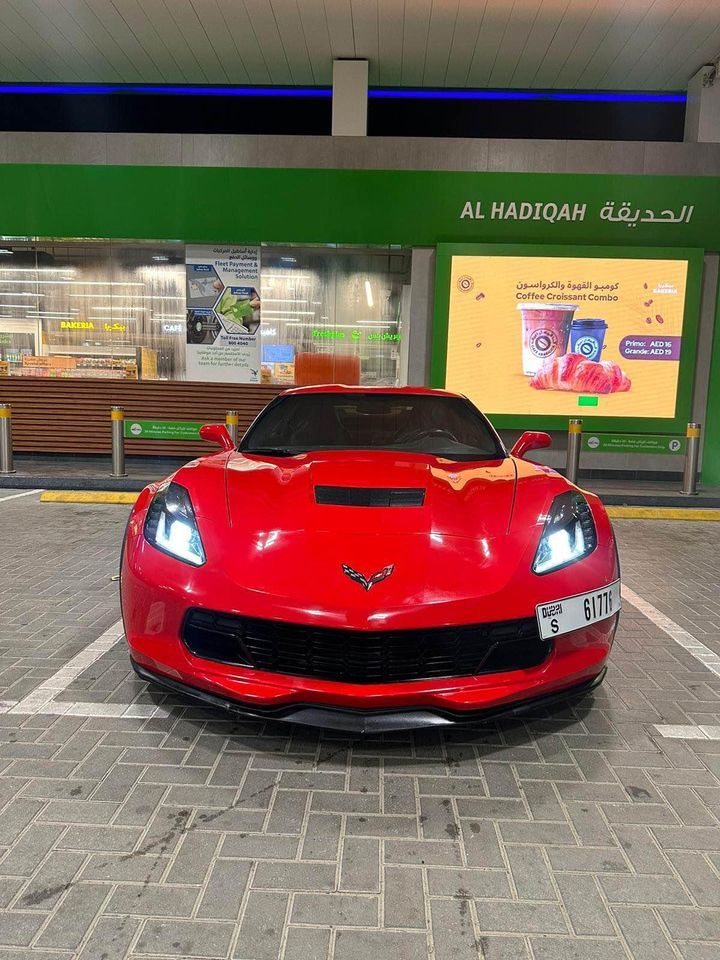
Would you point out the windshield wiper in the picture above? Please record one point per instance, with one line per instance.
(271, 451)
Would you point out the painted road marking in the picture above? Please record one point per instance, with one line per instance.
(87, 496)
(48, 689)
(664, 513)
(686, 640)
(27, 493)
(677, 731)
(616, 513)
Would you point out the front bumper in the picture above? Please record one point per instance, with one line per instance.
(359, 721)
(157, 592)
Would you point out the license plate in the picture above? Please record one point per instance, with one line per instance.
(573, 613)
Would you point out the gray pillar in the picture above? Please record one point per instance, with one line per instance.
(702, 113)
(422, 303)
(349, 102)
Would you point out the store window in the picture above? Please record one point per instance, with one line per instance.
(117, 309)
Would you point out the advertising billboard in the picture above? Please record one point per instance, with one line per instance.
(566, 335)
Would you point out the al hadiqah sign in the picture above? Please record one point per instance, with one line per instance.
(558, 211)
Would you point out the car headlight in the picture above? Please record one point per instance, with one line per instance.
(569, 533)
(170, 525)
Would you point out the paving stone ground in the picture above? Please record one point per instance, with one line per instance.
(576, 834)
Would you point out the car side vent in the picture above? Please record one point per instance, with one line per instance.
(370, 496)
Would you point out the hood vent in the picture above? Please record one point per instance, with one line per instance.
(370, 496)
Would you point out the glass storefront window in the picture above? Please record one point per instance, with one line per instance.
(334, 314)
(117, 309)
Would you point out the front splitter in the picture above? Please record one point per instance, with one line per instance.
(366, 721)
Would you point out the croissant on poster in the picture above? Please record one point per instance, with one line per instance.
(572, 372)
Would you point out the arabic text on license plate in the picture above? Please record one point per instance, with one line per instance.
(572, 613)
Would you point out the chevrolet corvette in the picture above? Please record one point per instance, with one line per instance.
(370, 559)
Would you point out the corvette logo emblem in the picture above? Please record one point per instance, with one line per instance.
(367, 582)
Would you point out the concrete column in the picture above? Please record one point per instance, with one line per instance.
(349, 103)
(422, 303)
(702, 113)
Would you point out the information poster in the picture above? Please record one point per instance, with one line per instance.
(565, 335)
(223, 313)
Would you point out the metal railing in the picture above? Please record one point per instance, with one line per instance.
(232, 420)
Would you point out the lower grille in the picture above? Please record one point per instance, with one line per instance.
(358, 656)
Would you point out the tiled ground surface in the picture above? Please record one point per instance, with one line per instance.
(576, 835)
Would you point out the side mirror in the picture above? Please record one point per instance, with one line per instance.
(217, 433)
(530, 440)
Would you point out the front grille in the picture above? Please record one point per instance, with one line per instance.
(358, 656)
(370, 496)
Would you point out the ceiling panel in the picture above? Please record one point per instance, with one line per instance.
(585, 44)
(440, 34)
(391, 23)
(366, 34)
(469, 23)
(549, 17)
(317, 39)
(415, 40)
(293, 40)
(265, 28)
(246, 43)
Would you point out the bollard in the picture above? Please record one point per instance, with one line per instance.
(117, 420)
(6, 446)
(231, 422)
(573, 450)
(692, 452)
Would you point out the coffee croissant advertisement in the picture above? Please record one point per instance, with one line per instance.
(565, 335)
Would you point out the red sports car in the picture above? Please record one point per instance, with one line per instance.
(369, 560)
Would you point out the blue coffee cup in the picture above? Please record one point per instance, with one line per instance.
(587, 338)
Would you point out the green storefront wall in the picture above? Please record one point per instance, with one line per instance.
(422, 208)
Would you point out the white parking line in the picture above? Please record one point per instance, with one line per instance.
(42, 699)
(46, 692)
(15, 496)
(704, 654)
(677, 731)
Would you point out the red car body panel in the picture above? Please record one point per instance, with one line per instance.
(273, 553)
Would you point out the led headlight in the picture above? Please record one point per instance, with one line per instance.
(569, 533)
(170, 525)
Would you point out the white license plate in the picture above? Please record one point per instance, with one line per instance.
(573, 613)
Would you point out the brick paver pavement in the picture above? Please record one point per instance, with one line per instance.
(576, 834)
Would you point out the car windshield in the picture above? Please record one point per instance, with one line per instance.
(442, 426)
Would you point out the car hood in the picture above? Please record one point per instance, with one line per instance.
(459, 499)
(273, 551)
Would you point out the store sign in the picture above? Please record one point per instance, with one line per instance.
(223, 313)
(632, 443)
(107, 326)
(557, 211)
(330, 334)
(162, 430)
(418, 207)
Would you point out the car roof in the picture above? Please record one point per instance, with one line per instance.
(369, 391)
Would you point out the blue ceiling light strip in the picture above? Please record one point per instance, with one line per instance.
(599, 96)
(73, 89)
(567, 96)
